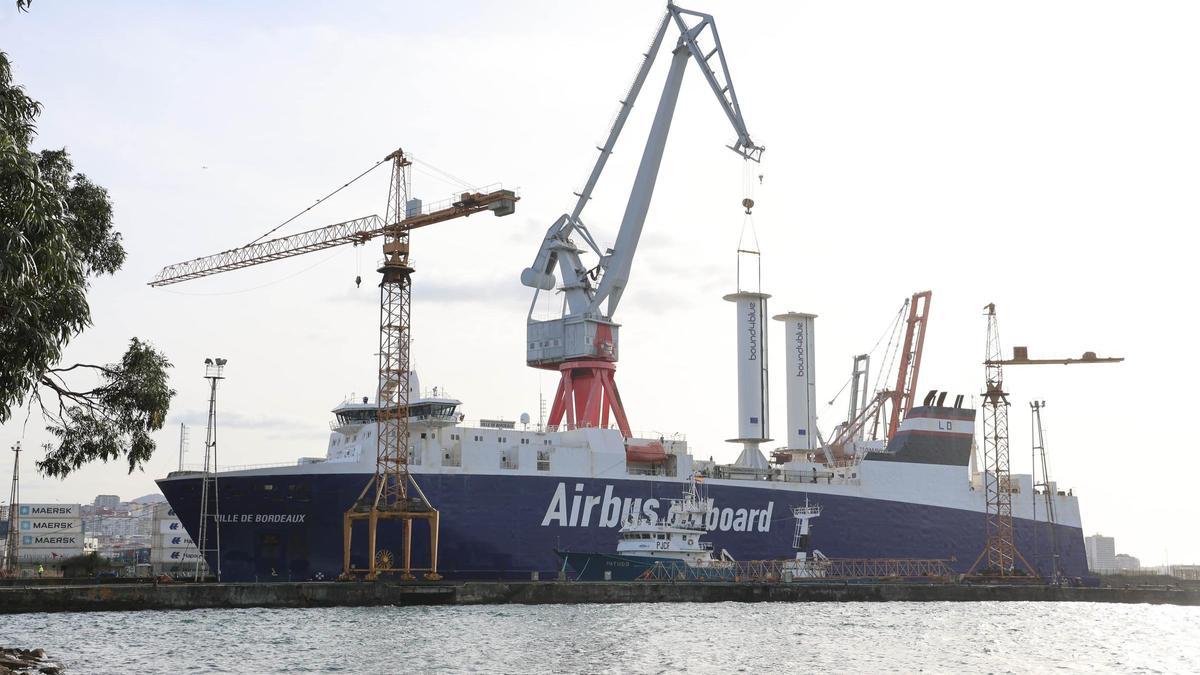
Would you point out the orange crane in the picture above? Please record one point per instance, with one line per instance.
(1000, 552)
(386, 496)
(902, 397)
(910, 360)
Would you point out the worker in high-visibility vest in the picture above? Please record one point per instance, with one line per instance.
(41, 570)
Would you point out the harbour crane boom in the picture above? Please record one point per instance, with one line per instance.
(582, 343)
(904, 395)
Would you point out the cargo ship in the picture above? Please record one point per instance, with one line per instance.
(510, 497)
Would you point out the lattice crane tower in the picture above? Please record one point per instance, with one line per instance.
(1000, 552)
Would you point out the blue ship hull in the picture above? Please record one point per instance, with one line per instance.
(288, 527)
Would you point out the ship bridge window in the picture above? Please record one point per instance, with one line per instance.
(543, 460)
(363, 416)
(423, 410)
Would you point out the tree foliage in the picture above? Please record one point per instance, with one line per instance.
(56, 234)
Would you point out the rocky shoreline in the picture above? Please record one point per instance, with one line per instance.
(14, 660)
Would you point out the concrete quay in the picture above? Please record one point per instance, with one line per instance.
(178, 596)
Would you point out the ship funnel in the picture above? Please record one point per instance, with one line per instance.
(801, 381)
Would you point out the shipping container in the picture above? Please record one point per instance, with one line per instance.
(49, 526)
(53, 540)
(47, 555)
(175, 555)
(48, 510)
(171, 527)
(181, 540)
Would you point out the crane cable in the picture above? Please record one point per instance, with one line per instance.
(890, 352)
(890, 330)
(445, 175)
(318, 202)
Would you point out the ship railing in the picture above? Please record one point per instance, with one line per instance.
(652, 470)
(199, 468)
(809, 477)
(773, 571)
(819, 477)
(667, 439)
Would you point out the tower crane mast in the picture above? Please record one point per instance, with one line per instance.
(1000, 553)
(387, 495)
(582, 343)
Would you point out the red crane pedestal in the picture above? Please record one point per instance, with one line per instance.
(587, 395)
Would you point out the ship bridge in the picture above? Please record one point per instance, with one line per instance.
(350, 415)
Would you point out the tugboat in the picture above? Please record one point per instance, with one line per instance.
(674, 543)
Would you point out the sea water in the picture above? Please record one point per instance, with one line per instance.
(903, 637)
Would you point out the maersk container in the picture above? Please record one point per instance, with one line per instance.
(48, 510)
(53, 540)
(49, 526)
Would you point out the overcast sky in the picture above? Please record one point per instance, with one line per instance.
(1038, 155)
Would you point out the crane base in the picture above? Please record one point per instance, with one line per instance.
(587, 397)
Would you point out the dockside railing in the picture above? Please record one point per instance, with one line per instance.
(846, 569)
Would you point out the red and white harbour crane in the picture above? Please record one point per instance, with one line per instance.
(582, 343)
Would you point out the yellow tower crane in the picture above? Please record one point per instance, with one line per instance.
(386, 496)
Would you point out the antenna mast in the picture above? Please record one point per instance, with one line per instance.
(1039, 447)
(214, 371)
(14, 499)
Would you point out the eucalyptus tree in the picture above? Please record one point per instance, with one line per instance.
(56, 235)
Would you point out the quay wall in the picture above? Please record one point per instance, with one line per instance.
(178, 596)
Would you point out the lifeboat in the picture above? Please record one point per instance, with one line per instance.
(651, 452)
